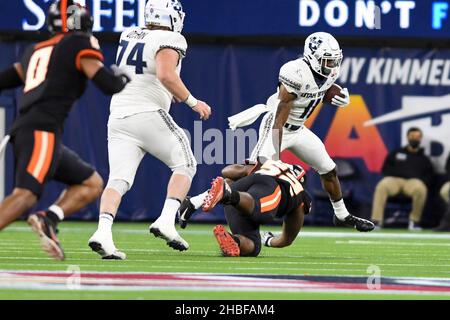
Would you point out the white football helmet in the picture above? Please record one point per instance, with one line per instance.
(323, 53)
(165, 13)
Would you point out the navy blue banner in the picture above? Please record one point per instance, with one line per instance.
(360, 18)
(392, 90)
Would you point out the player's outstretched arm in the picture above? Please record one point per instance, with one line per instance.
(284, 108)
(291, 228)
(235, 172)
(110, 82)
(12, 77)
(166, 63)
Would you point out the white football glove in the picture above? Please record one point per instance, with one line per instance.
(121, 72)
(265, 237)
(339, 101)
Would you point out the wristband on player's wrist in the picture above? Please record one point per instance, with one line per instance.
(191, 101)
(268, 241)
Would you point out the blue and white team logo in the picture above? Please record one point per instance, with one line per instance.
(177, 5)
(315, 43)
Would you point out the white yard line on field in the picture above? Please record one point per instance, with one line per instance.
(13, 248)
(303, 234)
(391, 243)
(256, 262)
(222, 268)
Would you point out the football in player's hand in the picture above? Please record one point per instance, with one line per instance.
(333, 91)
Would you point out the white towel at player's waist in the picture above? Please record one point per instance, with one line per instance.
(250, 115)
(3, 144)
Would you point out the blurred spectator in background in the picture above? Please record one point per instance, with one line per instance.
(445, 194)
(406, 171)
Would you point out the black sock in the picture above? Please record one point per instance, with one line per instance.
(234, 198)
(236, 239)
(53, 217)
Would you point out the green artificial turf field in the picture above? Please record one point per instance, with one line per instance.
(318, 251)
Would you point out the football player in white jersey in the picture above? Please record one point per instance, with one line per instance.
(140, 123)
(302, 86)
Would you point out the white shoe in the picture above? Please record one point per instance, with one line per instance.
(103, 244)
(414, 226)
(169, 233)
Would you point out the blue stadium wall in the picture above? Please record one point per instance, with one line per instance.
(413, 83)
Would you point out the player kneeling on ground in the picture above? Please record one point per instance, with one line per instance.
(252, 199)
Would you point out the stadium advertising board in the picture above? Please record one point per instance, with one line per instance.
(377, 18)
(392, 90)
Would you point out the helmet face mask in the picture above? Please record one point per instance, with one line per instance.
(298, 171)
(330, 64)
(165, 13)
(324, 54)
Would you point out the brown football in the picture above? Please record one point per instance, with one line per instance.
(333, 91)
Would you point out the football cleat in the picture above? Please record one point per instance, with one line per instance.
(46, 230)
(227, 245)
(352, 221)
(186, 210)
(170, 235)
(103, 244)
(414, 226)
(220, 190)
(378, 225)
